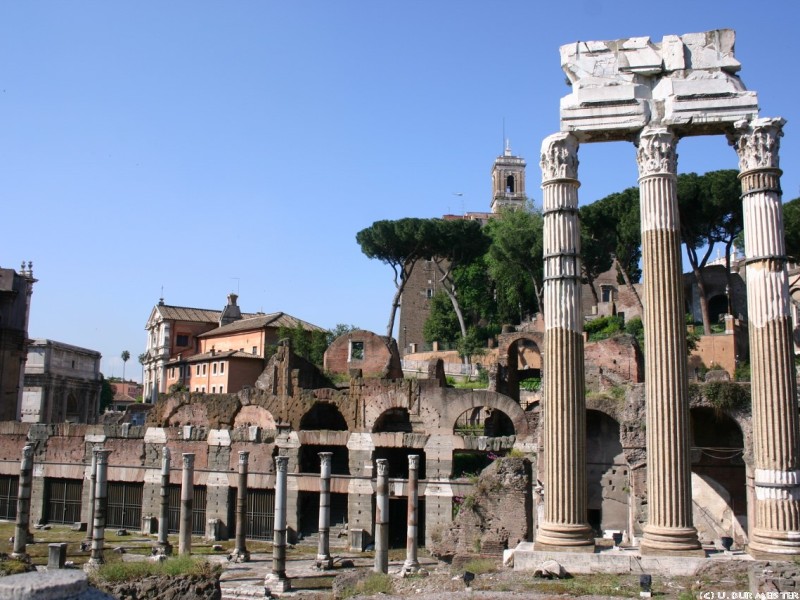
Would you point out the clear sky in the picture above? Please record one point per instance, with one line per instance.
(209, 147)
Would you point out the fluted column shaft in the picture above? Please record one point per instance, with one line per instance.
(323, 549)
(187, 504)
(163, 518)
(776, 530)
(22, 527)
(669, 527)
(382, 517)
(100, 497)
(240, 552)
(565, 524)
(411, 564)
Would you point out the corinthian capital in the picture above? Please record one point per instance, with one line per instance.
(383, 467)
(757, 143)
(656, 152)
(559, 157)
(281, 463)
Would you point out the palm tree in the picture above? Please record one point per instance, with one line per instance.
(125, 357)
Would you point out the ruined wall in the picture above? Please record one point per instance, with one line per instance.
(614, 361)
(375, 355)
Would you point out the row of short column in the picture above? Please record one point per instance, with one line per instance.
(669, 528)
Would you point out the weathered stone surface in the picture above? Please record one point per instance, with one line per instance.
(182, 587)
(496, 517)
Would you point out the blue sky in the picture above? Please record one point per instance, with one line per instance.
(213, 146)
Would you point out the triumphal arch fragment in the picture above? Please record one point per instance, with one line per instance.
(653, 94)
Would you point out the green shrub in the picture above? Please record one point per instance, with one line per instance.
(375, 583)
(725, 395)
(479, 566)
(531, 384)
(603, 327)
(742, 372)
(635, 327)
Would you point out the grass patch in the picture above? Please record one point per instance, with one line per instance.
(597, 584)
(374, 583)
(117, 572)
(479, 566)
(12, 566)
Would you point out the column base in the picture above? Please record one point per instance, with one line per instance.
(409, 567)
(779, 545)
(19, 555)
(673, 541)
(163, 549)
(274, 584)
(324, 563)
(239, 556)
(564, 538)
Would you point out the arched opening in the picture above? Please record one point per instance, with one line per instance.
(607, 474)
(73, 410)
(483, 421)
(393, 420)
(510, 184)
(323, 415)
(717, 308)
(717, 453)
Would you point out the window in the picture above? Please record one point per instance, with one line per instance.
(221, 368)
(429, 293)
(197, 389)
(203, 389)
(221, 391)
(510, 184)
(356, 350)
(198, 370)
(213, 389)
(255, 349)
(607, 293)
(181, 340)
(204, 370)
(214, 368)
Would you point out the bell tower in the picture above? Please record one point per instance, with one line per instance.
(508, 181)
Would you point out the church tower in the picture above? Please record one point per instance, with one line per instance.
(508, 181)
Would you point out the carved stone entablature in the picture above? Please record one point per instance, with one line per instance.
(620, 86)
(758, 143)
(559, 157)
(656, 152)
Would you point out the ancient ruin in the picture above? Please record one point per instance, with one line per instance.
(652, 94)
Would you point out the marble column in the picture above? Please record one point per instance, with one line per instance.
(324, 560)
(100, 501)
(669, 527)
(22, 528)
(564, 526)
(240, 553)
(382, 517)
(187, 502)
(776, 530)
(164, 547)
(277, 581)
(411, 565)
(92, 483)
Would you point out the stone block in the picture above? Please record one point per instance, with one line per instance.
(57, 555)
(358, 540)
(149, 525)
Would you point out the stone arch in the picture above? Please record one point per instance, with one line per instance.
(194, 414)
(520, 357)
(323, 415)
(393, 420)
(484, 421)
(254, 415)
(457, 402)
